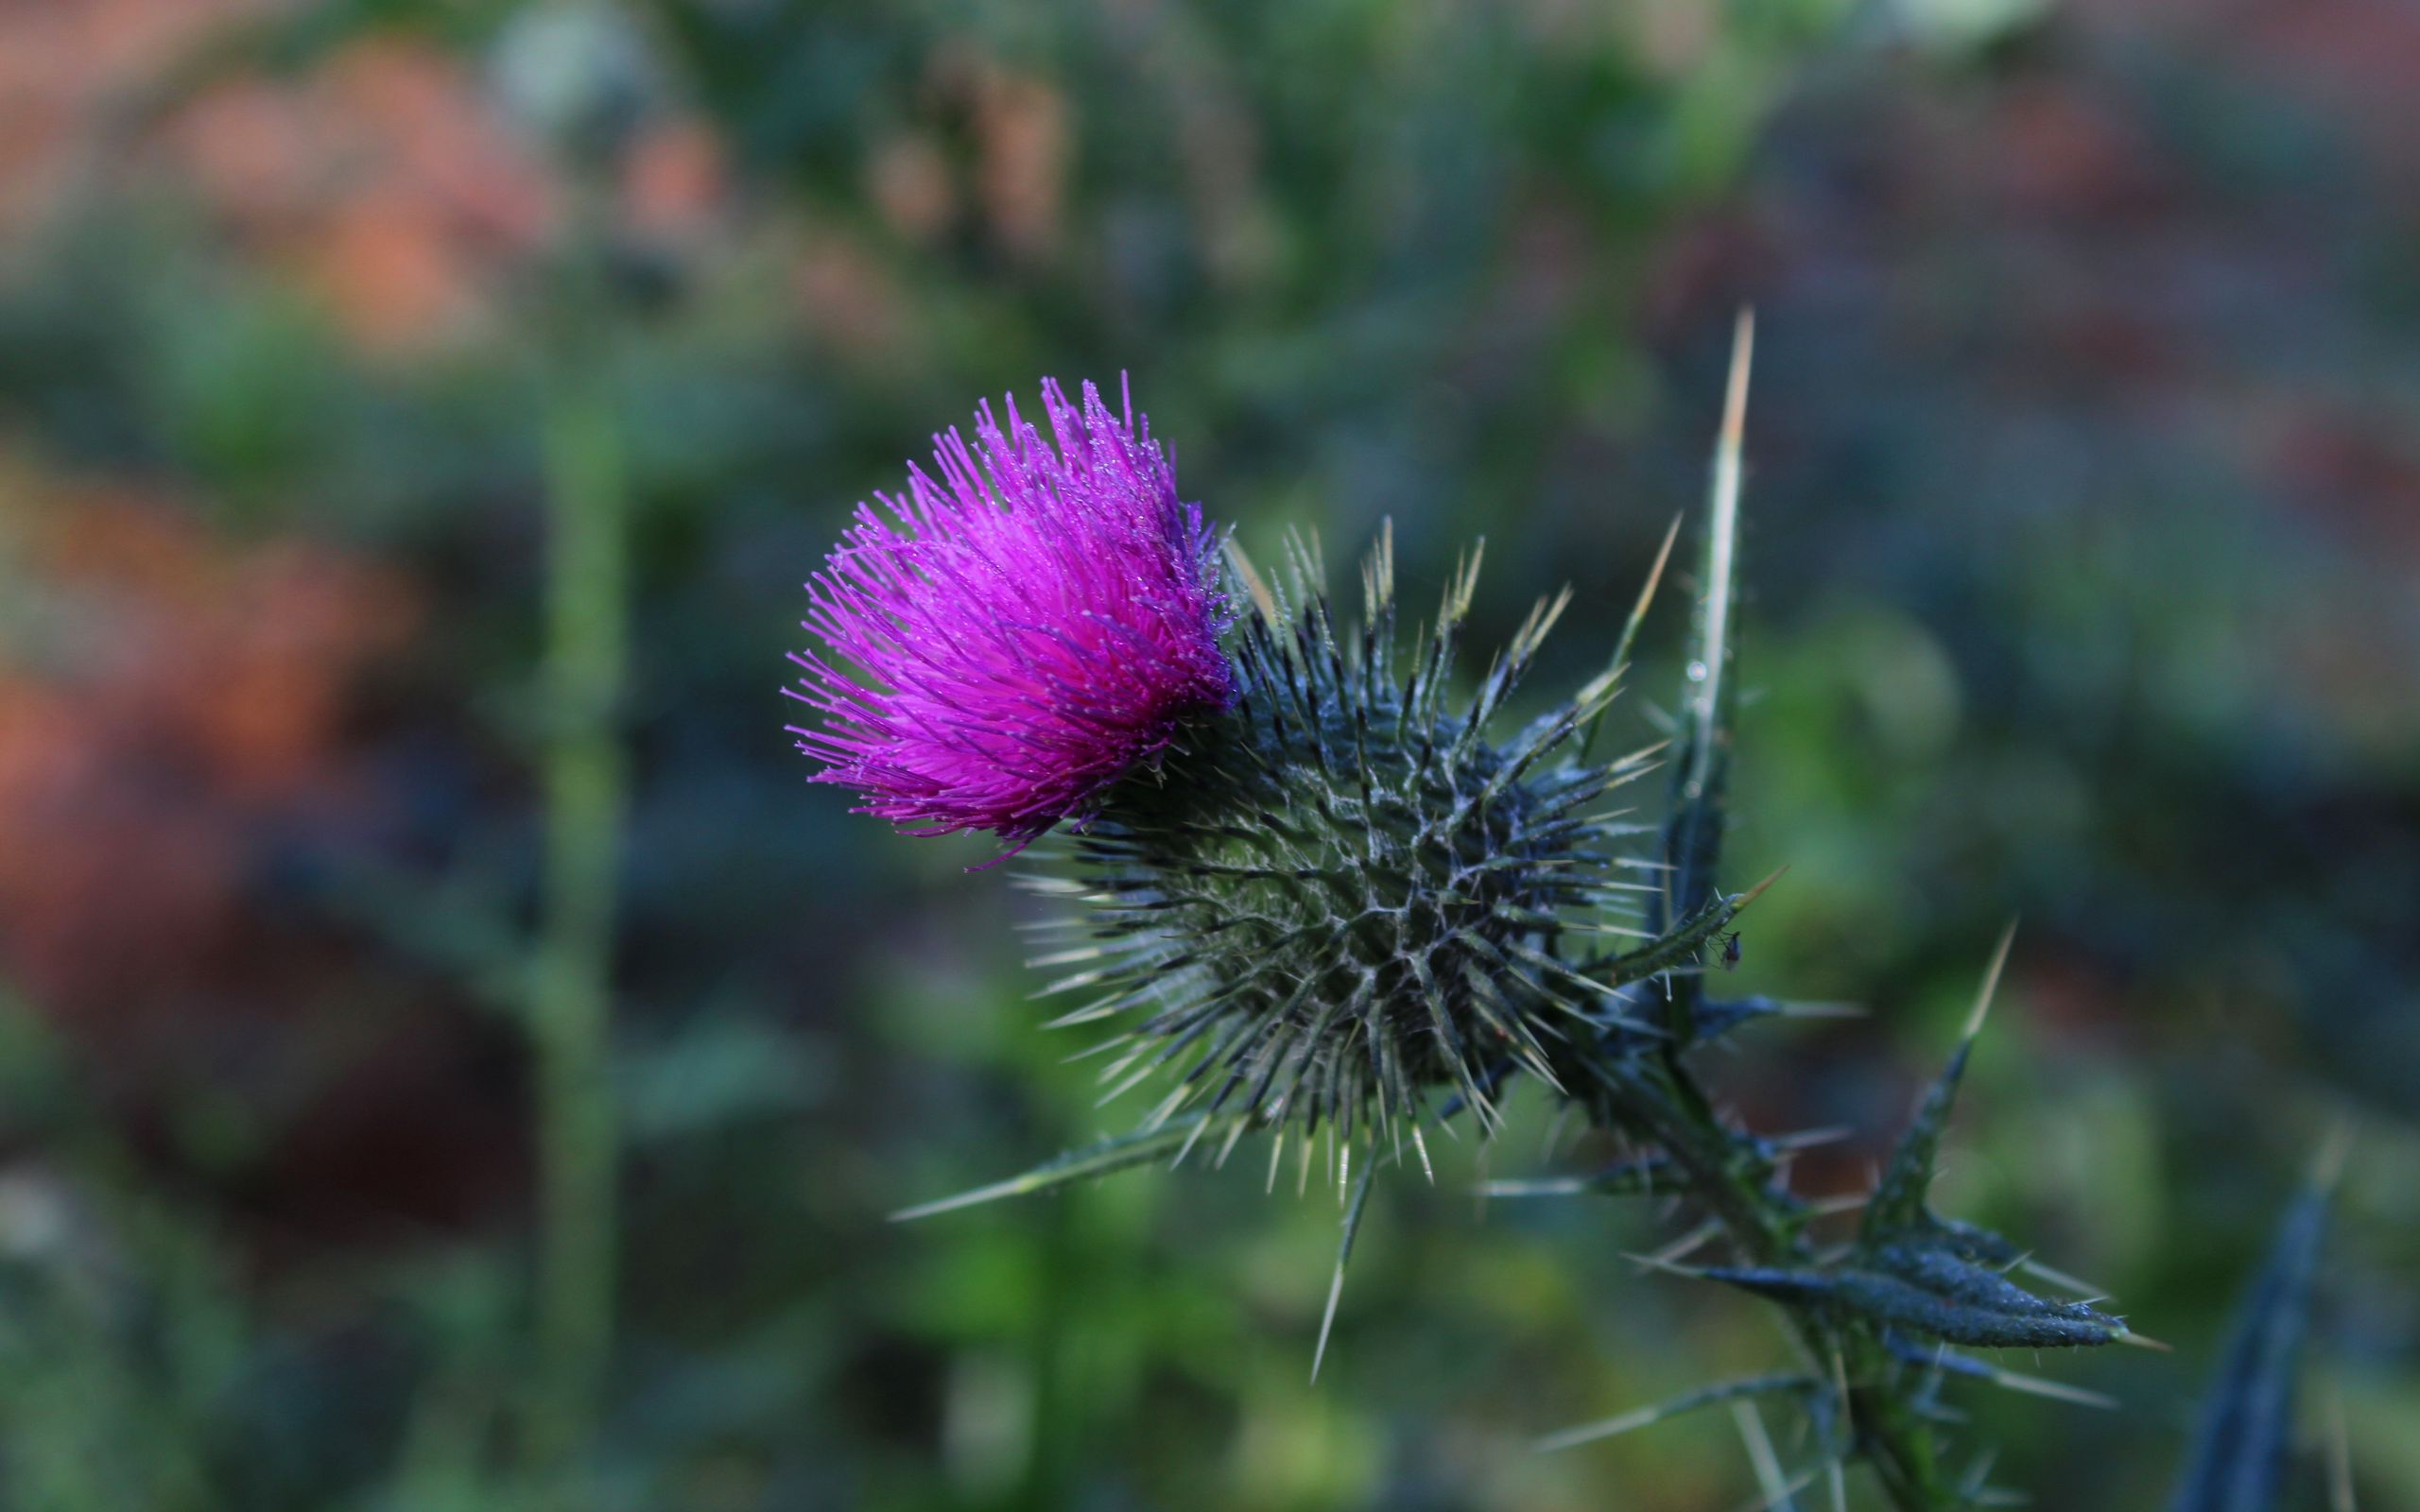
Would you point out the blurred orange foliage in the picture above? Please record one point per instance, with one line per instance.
(174, 707)
(385, 180)
(66, 66)
(166, 694)
(384, 177)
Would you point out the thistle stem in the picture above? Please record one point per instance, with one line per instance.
(1661, 1100)
(585, 782)
(1653, 1095)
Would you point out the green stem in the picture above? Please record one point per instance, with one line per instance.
(585, 782)
(1655, 1096)
(1661, 1100)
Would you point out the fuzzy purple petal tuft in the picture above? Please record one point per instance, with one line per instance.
(1011, 638)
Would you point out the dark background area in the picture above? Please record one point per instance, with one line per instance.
(2084, 556)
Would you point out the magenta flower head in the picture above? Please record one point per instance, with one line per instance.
(1011, 638)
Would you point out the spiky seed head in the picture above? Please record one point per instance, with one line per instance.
(1346, 895)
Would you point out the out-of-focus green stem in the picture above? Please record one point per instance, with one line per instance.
(585, 782)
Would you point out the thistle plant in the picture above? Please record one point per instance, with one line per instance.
(1324, 891)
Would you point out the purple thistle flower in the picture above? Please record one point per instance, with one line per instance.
(1024, 630)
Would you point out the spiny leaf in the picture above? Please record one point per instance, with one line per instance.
(1618, 663)
(1343, 1252)
(1940, 1359)
(1899, 1199)
(1701, 765)
(1777, 1492)
(1658, 1174)
(1648, 1176)
(1704, 1397)
(1256, 587)
(1684, 945)
(2239, 1457)
(1630, 1009)
(1955, 1314)
(1113, 1154)
(1717, 1016)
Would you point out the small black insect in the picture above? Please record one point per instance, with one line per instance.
(1730, 952)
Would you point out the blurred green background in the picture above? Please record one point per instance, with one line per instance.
(341, 344)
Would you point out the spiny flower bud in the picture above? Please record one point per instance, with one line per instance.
(1317, 886)
(1344, 893)
(1022, 632)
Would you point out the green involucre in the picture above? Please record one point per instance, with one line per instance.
(1341, 895)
